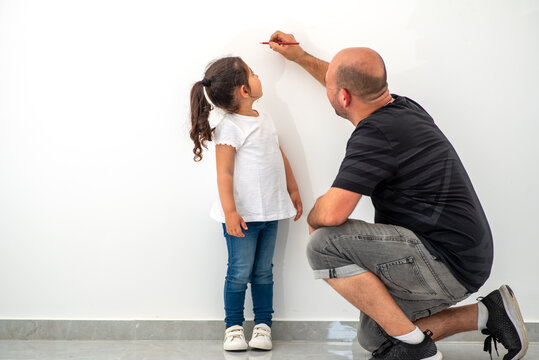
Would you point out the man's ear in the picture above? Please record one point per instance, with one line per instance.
(345, 97)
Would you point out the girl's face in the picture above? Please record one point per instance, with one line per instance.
(255, 85)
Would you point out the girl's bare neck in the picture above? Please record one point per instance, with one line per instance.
(247, 109)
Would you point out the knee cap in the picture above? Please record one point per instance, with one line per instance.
(317, 245)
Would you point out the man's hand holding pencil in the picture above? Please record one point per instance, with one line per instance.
(286, 45)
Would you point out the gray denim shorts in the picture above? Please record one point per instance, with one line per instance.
(420, 284)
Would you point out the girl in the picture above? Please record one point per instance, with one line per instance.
(256, 188)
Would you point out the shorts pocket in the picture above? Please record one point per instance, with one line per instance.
(404, 277)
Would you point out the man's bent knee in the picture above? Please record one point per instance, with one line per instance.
(317, 248)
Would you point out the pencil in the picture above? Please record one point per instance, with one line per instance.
(281, 43)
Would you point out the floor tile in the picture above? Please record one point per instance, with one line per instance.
(212, 350)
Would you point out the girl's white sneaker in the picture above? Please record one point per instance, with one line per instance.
(234, 339)
(261, 337)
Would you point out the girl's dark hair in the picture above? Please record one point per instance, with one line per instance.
(221, 79)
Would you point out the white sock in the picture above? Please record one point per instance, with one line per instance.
(482, 316)
(414, 337)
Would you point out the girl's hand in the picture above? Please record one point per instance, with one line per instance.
(234, 223)
(296, 200)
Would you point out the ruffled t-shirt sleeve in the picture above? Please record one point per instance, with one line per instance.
(228, 133)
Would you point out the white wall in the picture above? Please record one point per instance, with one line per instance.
(103, 213)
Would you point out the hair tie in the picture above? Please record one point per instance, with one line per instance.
(206, 82)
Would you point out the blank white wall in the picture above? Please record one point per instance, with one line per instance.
(103, 213)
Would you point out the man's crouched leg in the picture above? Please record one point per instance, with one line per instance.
(369, 334)
(326, 253)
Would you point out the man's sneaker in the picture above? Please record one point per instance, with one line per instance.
(505, 323)
(261, 337)
(394, 349)
(234, 339)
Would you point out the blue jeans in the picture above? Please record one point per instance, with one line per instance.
(250, 260)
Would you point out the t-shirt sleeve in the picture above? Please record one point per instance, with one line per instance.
(369, 160)
(228, 133)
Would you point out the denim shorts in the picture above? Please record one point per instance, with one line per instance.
(420, 283)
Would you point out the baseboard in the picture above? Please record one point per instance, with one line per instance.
(191, 330)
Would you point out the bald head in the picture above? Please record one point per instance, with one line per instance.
(361, 71)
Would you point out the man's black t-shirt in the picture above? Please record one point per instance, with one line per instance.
(412, 173)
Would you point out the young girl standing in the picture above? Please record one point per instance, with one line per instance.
(256, 188)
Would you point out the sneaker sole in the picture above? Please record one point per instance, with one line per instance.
(438, 356)
(513, 311)
(235, 348)
(254, 346)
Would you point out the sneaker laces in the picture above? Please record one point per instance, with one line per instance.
(491, 338)
(487, 347)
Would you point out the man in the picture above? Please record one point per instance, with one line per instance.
(430, 246)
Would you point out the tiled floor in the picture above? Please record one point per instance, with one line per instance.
(212, 350)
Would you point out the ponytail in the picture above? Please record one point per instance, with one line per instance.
(221, 79)
(201, 131)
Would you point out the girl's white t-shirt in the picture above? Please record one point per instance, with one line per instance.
(259, 176)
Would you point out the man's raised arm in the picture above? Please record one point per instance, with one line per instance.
(316, 67)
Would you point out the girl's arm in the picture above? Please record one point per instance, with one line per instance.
(224, 155)
(292, 187)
